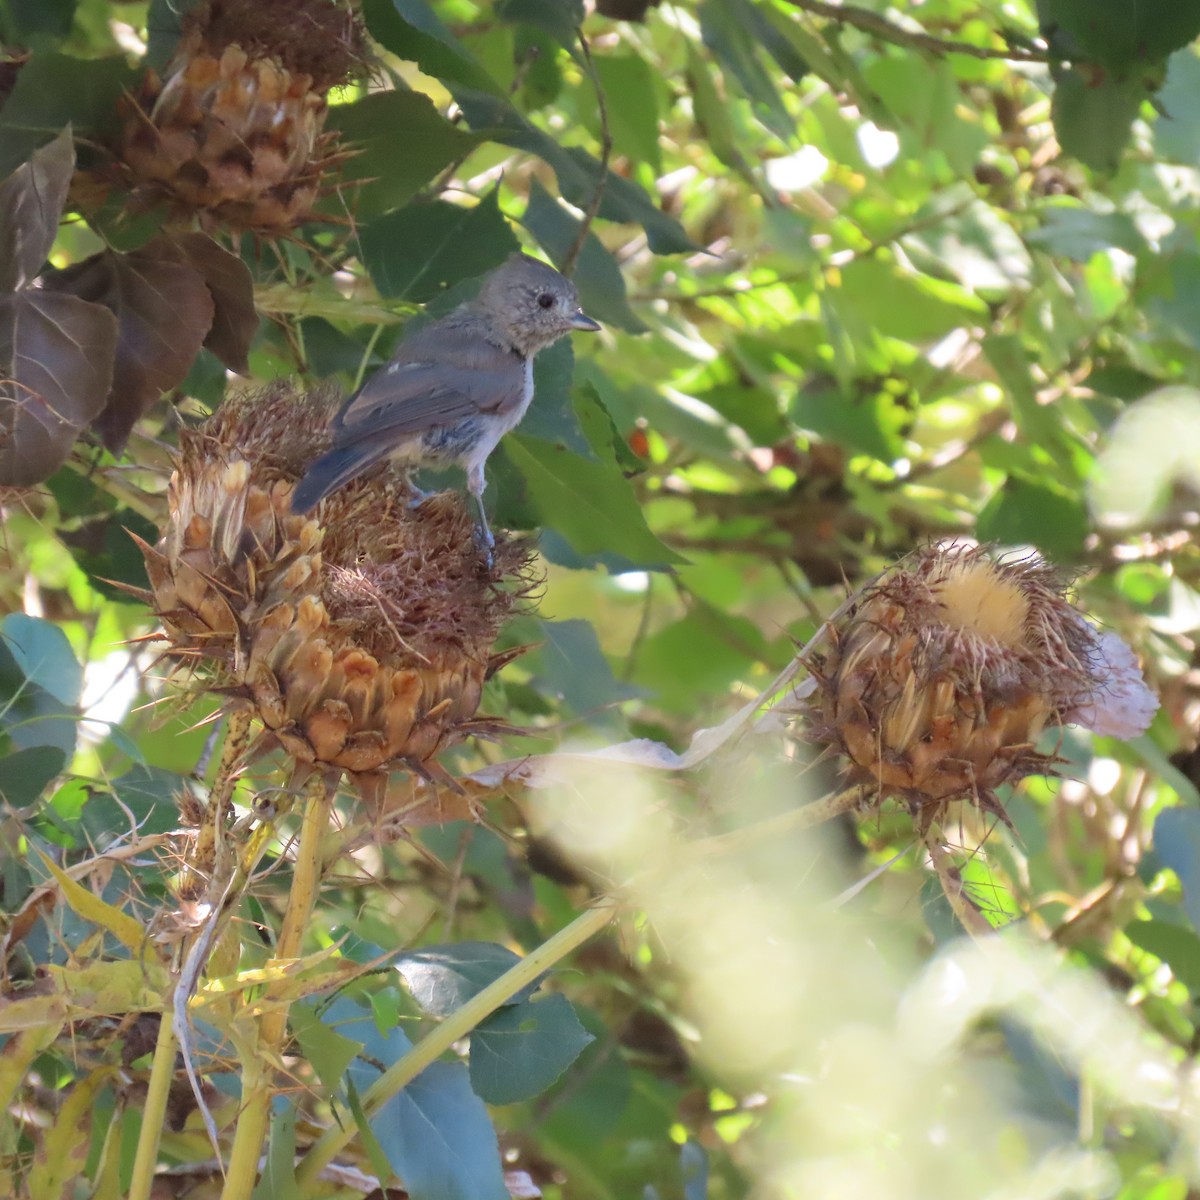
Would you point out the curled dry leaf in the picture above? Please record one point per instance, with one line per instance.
(170, 297)
(56, 366)
(163, 313)
(31, 202)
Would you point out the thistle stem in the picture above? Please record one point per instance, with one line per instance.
(804, 817)
(457, 1025)
(252, 1122)
(162, 1071)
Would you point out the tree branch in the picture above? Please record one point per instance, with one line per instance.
(871, 22)
(606, 147)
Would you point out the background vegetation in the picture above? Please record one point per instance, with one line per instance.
(869, 276)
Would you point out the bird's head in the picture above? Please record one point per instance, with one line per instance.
(532, 304)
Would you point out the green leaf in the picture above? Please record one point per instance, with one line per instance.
(42, 651)
(1030, 514)
(328, 1051)
(732, 33)
(630, 93)
(519, 1051)
(443, 978)
(551, 416)
(866, 424)
(904, 304)
(26, 774)
(278, 1177)
(590, 503)
(53, 91)
(1038, 422)
(705, 651)
(148, 793)
(1116, 34)
(30, 715)
(570, 666)
(579, 173)
(1077, 232)
(32, 22)
(1177, 130)
(436, 1132)
(439, 1139)
(374, 127)
(418, 251)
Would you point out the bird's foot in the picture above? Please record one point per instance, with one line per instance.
(485, 544)
(417, 496)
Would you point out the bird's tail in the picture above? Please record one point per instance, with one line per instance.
(333, 469)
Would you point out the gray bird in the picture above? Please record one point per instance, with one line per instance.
(455, 387)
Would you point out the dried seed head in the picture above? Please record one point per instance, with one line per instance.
(362, 635)
(945, 672)
(234, 128)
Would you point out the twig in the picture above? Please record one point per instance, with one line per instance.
(871, 22)
(606, 148)
(963, 907)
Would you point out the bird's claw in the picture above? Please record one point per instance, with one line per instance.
(485, 543)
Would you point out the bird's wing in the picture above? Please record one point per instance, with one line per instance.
(416, 391)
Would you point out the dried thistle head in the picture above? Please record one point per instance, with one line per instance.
(233, 130)
(361, 635)
(944, 673)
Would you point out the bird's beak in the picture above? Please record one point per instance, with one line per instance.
(581, 321)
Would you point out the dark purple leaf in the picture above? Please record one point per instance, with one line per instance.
(56, 368)
(31, 202)
(164, 311)
(235, 319)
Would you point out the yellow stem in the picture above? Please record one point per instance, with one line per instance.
(162, 1071)
(457, 1025)
(804, 817)
(252, 1122)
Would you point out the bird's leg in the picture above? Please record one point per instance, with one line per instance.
(483, 532)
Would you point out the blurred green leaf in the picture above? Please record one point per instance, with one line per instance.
(1093, 118)
(1029, 514)
(1177, 845)
(1115, 34)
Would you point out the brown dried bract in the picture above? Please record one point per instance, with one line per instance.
(360, 635)
(944, 674)
(233, 130)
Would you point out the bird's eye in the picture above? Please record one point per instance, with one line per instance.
(545, 300)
